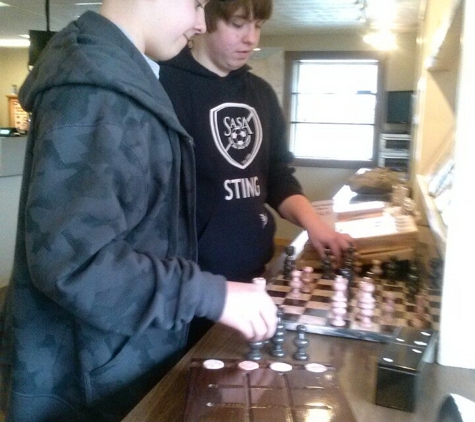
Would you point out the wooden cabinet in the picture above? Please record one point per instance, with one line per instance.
(18, 117)
(436, 110)
(443, 124)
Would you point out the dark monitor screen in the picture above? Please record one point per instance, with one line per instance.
(38, 41)
(399, 106)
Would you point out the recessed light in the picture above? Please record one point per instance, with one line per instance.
(89, 3)
(14, 43)
(4, 4)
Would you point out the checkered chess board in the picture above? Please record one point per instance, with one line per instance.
(314, 309)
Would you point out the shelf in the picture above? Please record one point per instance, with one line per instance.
(437, 225)
(445, 47)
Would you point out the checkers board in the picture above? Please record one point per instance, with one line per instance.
(314, 309)
(263, 394)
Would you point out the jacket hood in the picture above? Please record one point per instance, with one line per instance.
(86, 53)
(186, 61)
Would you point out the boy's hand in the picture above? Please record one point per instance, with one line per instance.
(249, 309)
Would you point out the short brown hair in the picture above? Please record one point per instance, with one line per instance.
(218, 9)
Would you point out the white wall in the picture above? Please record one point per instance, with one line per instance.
(323, 183)
(9, 194)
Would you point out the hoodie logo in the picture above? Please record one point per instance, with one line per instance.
(237, 132)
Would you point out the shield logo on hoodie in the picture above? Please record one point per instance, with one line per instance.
(237, 132)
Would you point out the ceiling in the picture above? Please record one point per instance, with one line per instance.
(289, 17)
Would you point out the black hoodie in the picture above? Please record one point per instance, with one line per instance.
(242, 162)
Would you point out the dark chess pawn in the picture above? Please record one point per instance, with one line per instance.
(413, 281)
(435, 277)
(348, 266)
(327, 265)
(279, 336)
(391, 270)
(350, 257)
(255, 350)
(289, 263)
(301, 342)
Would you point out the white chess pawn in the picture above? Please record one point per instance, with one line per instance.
(306, 280)
(295, 284)
(388, 308)
(376, 269)
(419, 320)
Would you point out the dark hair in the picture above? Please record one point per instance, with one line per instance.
(218, 9)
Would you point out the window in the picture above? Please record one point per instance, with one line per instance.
(334, 105)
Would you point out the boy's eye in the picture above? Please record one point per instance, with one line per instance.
(238, 23)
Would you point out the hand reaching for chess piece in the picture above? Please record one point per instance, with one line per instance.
(250, 310)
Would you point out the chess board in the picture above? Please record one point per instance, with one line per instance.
(314, 309)
(263, 394)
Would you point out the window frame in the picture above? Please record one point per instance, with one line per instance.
(291, 57)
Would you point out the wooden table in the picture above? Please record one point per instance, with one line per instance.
(356, 363)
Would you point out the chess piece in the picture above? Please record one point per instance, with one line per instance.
(376, 269)
(388, 308)
(413, 280)
(301, 342)
(339, 301)
(306, 280)
(256, 346)
(366, 302)
(391, 270)
(349, 264)
(289, 263)
(278, 339)
(420, 320)
(295, 284)
(357, 265)
(255, 350)
(435, 277)
(327, 265)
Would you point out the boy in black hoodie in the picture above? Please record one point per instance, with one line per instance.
(104, 281)
(242, 157)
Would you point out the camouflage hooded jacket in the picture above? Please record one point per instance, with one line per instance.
(104, 282)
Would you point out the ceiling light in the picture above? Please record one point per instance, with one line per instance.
(4, 4)
(14, 43)
(89, 3)
(381, 40)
